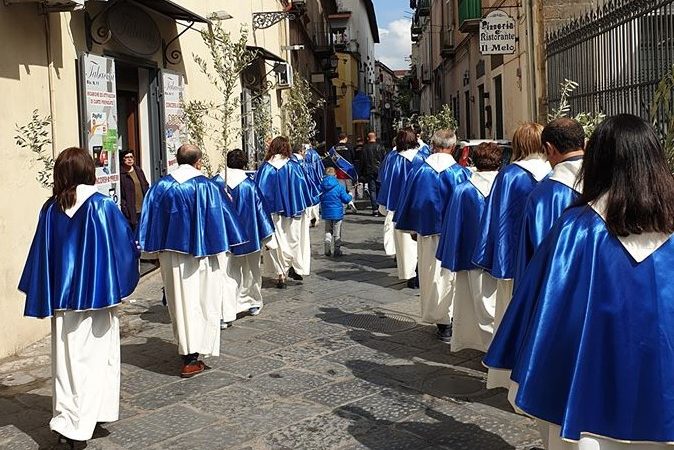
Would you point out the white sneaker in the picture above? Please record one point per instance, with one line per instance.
(224, 325)
(254, 311)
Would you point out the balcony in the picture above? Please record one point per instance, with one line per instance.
(424, 8)
(447, 49)
(470, 14)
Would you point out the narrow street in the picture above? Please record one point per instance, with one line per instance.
(338, 361)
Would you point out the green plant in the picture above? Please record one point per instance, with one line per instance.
(430, 123)
(663, 101)
(587, 120)
(35, 136)
(194, 115)
(297, 111)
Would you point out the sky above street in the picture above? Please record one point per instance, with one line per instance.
(394, 20)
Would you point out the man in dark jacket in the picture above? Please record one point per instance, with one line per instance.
(333, 197)
(373, 155)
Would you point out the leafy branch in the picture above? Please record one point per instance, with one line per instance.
(297, 111)
(35, 136)
(587, 120)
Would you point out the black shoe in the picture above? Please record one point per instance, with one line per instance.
(413, 283)
(64, 440)
(313, 223)
(338, 253)
(281, 284)
(328, 253)
(445, 333)
(294, 275)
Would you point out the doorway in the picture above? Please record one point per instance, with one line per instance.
(498, 106)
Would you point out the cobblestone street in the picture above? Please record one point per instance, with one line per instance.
(338, 361)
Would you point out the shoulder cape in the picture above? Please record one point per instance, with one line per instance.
(285, 191)
(189, 217)
(425, 198)
(394, 175)
(254, 218)
(89, 261)
(588, 334)
(501, 223)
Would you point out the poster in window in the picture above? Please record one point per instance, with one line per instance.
(174, 125)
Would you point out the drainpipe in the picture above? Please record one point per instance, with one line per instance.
(531, 60)
(50, 77)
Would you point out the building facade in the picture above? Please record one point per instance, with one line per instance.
(385, 112)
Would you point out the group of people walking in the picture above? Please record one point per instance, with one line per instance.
(558, 266)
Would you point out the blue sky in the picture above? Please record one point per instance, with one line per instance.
(393, 19)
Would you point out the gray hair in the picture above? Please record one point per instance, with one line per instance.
(444, 139)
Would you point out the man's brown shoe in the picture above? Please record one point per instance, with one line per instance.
(193, 368)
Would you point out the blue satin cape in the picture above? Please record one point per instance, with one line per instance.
(461, 228)
(250, 208)
(344, 165)
(284, 191)
(314, 188)
(190, 218)
(496, 249)
(397, 169)
(425, 198)
(315, 166)
(545, 204)
(89, 261)
(588, 334)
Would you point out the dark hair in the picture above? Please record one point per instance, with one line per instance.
(488, 156)
(298, 148)
(565, 134)
(625, 160)
(188, 154)
(74, 166)
(279, 146)
(237, 159)
(124, 153)
(406, 139)
(343, 136)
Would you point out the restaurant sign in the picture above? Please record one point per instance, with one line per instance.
(498, 35)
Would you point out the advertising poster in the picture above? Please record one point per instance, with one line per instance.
(99, 100)
(174, 126)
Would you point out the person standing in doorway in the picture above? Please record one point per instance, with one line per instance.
(134, 186)
(372, 157)
(82, 262)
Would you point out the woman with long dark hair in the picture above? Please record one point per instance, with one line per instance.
(133, 185)
(588, 335)
(286, 195)
(82, 262)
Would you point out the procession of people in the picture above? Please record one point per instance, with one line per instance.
(557, 265)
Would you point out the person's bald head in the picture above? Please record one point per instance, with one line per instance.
(372, 136)
(188, 154)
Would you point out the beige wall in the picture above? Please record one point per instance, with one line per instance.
(25, 85)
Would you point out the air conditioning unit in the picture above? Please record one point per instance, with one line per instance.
(284, 75)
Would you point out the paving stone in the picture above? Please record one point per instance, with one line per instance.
(183, 390)
(139, 381)
(287, 382)
(162, 424)
(328, 369)
(250, 368)
(231, 400)
(387, 438)
(338, 394)
(386, 405)
(248, 348)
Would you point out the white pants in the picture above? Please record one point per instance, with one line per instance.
(246, 272)
(406, 254)
(314, 214)
(85, 371)
(474, 306)
(290, 246)
(195, 289)
(553, 441)
(436, 286)
(389, 240)
(504, 293)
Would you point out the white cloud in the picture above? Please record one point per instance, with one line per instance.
(396, 45)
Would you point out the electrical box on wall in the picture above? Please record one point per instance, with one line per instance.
(284, 75)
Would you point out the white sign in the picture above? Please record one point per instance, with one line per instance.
(100, 113)
(174, 126)
(497, 34)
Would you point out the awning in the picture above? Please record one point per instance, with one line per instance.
(264, 53)
(172, 10)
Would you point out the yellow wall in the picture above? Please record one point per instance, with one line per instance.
(25, 86)
(347, 73)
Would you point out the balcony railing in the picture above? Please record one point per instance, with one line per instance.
(447, 49)
(424, 7)
(470, 13)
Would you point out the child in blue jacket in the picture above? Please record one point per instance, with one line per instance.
(333, 197)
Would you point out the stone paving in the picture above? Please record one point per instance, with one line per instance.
(338, 361)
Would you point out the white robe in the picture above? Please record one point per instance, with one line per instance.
(504, 293)
(85, 371)
(474, 306)
(389, 228)
(195, 290)
(288, 248)
(314, 213)
(436, 286)
(406, 254)
(246, 272)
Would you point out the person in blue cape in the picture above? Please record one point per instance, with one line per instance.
(304, 255)
(244, 266)
(474, 300)
(398, 167)
(192, 229)
(422, 201)
(564, 142)
(501, 223)
(314, 167)
(286, 195)
(588, 335)
(389, 229)
(83, 261)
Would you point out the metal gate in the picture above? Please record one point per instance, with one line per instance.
(617, 53)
